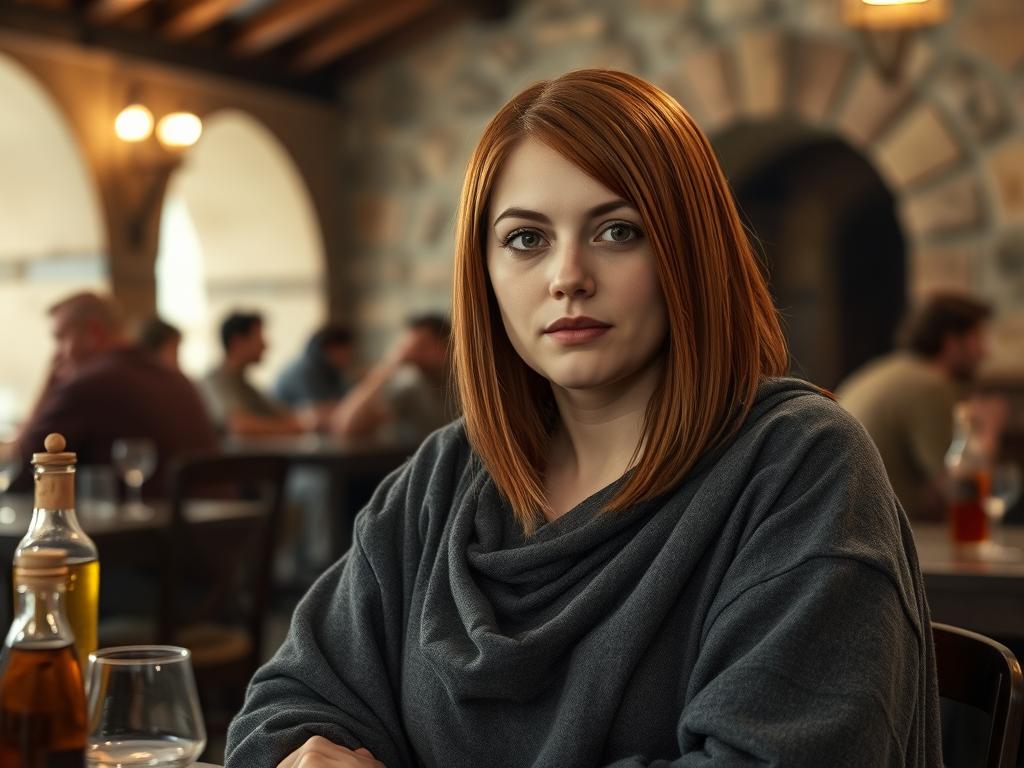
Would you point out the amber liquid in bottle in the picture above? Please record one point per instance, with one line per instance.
(42, 709)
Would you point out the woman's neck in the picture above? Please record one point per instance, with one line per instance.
(596, 439)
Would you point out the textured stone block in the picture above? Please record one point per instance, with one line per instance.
(378, 219)
(993, 28)
(760, 69)
(1006, 166)
(980, 104)
(872, 101)
(705, 76)
(918, 147)
(955, 205)
(819, 67)
(943, 268)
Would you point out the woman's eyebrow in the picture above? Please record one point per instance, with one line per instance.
(526, 213)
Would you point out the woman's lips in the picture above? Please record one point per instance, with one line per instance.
(572, 336)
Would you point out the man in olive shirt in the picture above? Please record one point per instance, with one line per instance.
(233, 402)
(905, 400)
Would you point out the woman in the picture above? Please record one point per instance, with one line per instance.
(638, 547)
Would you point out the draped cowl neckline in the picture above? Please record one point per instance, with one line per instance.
(501, 610)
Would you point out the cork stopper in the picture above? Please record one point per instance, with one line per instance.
(55, 455)
(40, 563)
(55, 474)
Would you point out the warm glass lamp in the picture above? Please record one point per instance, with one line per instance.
(134, 123)
(179, 130)
(894, 14)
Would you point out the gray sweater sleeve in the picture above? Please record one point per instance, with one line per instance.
(334, 676)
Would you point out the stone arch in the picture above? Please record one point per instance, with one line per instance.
(52, 237)
(922, 146)
(240, 231)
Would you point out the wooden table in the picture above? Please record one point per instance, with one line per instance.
(977, 591)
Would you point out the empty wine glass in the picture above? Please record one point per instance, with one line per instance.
(135, 460)
(143, 708)
(10, 466)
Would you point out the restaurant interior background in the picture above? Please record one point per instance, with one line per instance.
(873, 166)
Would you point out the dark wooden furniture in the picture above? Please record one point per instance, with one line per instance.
(982, 677)
(216, 577)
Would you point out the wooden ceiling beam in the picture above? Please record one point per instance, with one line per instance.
(354, 32)
(103, 11)
(197, 17)
(283, 21)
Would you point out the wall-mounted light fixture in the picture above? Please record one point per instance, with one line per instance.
(887, 27)
(176, 130)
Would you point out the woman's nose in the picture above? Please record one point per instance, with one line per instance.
(572, 278)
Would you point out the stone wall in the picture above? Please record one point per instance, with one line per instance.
(948, 137)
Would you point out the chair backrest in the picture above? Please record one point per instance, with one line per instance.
(982, 676)
(226, 514)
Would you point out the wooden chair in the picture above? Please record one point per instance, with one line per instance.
(215, 578)
(983, 680)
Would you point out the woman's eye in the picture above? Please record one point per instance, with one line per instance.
(524, 240)
(619, 233)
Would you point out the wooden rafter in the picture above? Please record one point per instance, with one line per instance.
(283, 21)
(102, 11)
(197, 17)
(352, 33)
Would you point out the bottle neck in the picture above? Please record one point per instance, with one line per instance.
(40, 620)
(46, 520)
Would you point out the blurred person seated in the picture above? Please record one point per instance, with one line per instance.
(317, 377)
(407, 395)
(234, 404)
(161, 339)
(905, 400)
(101, 388)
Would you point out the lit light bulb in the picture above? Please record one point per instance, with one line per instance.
(134, 123)
(893, 2)
(179, 129)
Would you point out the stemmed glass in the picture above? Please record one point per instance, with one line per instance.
(135, 460)
(143, 708)
(10, 466)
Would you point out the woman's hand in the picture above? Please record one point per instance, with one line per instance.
(318, 752)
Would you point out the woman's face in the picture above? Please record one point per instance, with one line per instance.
(573, 273)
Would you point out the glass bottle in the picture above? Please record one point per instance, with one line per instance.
(968, 473)
(54, 524)
(43, 720)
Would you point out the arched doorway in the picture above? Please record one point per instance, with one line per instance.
(52, 240)
(239, 232)
(827, 225)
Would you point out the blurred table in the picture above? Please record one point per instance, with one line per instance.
(982, 592)
(123, 535)
(350, 470)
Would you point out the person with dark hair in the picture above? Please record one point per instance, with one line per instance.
(318, 376)
(237, 406)
(639, 546)
(905, 400)
(160, 338)
(408, 394)
(102, 388)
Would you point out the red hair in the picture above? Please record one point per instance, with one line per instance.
(724, 335)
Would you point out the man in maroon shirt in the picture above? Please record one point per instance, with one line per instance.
(102, 388)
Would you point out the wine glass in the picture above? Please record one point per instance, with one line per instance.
(1004, 492)
(135, 460)
(143, 708)
(10, 467)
